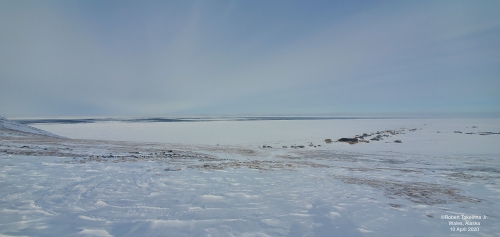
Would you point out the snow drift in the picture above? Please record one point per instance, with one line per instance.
(10, 128)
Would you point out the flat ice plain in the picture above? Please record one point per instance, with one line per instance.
(214, 178)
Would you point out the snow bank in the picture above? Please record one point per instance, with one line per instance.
(10, 128)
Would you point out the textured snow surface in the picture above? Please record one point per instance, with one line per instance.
(71, 187)
(10, 128)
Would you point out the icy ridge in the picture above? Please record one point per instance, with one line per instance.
(6, 124)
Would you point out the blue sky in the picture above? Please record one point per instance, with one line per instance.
(173, 58)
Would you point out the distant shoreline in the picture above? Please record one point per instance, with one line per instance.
(202, 119)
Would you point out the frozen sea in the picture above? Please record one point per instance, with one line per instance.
(212, 177)
(434, 136)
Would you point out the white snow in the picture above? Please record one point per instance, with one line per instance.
(71, 187)
(10, 128)
(299, 132)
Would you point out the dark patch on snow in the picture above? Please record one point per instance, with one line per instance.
(417, 192)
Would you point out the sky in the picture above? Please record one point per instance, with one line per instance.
(190, 58)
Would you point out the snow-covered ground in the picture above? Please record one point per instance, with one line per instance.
(9, 128)
(171, 179)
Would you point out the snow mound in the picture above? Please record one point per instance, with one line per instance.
(10, 128)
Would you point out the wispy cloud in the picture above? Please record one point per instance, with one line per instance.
(237, 58)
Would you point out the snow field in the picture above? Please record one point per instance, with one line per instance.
(433, 136)
(139, 198)
(53, 187)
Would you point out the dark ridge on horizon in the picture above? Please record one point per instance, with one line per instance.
(193, 119)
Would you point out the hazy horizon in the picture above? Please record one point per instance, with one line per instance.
(190, 118)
